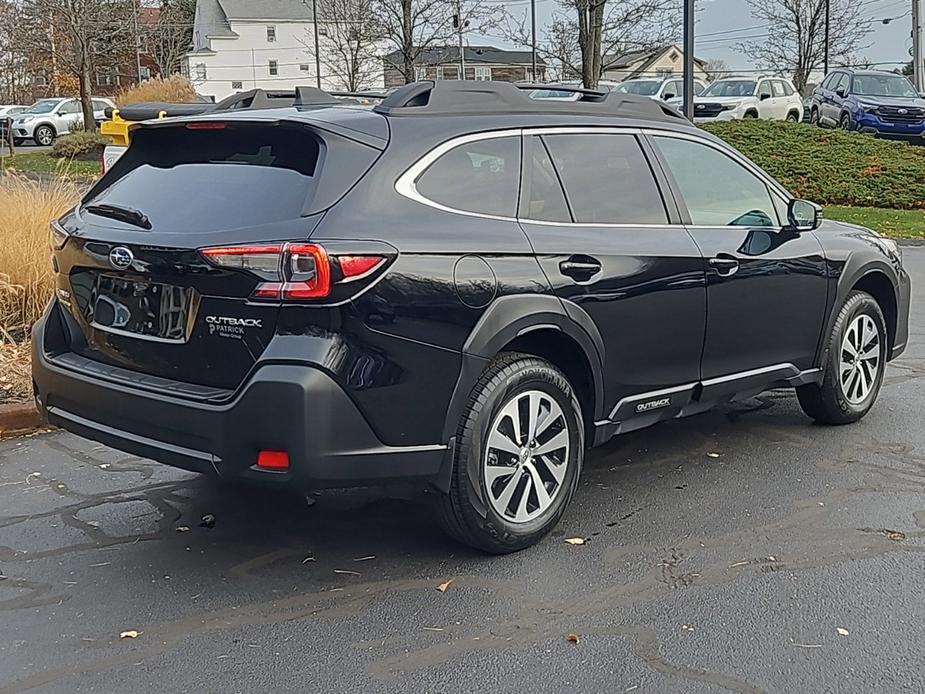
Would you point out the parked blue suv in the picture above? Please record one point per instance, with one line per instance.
(883, 104)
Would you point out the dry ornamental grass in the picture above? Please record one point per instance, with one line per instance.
(175, 89)
(26, 208)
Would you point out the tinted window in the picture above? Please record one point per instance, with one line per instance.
(212, 180)
(729, 195)
(481, 176)
(543, 199)
(607, 179)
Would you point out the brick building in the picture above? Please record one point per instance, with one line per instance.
(482, 63)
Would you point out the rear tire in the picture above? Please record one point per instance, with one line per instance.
(814, 117)
(855, 360)
(489, 508)
(793, 117)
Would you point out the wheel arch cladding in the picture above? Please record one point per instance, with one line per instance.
(879, 286)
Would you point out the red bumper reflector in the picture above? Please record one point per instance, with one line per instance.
(273, 460)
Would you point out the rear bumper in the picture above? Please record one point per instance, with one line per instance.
(282, 407)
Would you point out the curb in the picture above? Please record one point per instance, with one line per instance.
(18, 419)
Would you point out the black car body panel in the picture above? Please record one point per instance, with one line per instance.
(650, 319)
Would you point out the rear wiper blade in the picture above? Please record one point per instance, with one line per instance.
(122, 213)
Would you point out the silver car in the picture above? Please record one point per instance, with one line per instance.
(46, 119)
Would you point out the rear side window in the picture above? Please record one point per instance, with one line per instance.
(607, 179)
(481, 177)
(208, 180)
(543, 199)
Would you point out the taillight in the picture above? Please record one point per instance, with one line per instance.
(293, 271)
(206, 125)
(59, 236)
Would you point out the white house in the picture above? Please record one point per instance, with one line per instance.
(248, 44)
(664, 61)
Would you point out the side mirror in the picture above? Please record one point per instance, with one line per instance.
(668, 95)
(765, 96)
(804, 215)
(842, 92)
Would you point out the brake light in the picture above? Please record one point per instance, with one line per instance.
(205, 125)
(273, 460)
(293, 271)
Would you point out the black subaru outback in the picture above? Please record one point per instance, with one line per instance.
(461, 287)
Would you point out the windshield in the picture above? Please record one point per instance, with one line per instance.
(883, 85)
(731, 88)
(43, 106)
(640, 87)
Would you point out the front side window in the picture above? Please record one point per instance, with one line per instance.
(69, 108)
(607, 179)
(765, 88)
(481, 177)
(717, 190)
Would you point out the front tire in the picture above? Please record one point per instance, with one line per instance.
(845, 122)
(854, 364)
(519, 453)
(44, 136)
(814, 117)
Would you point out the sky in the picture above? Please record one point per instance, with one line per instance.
(889, 43)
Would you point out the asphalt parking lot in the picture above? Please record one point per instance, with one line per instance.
(745, 550)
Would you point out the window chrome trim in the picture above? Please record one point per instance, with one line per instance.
(406, 185)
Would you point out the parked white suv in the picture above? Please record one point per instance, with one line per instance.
(661, 88)
(46, 119)
(771, 98)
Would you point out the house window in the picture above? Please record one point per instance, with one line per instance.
(200, 71)
(40, 80)
(420, 73)
(105, 77)
(274, 67)
(271, 34)
(305, 67)
(482, 72)
(237, 85)
(144, 73)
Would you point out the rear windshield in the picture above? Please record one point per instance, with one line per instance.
(209, 180)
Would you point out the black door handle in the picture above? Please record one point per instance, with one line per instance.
(725, 265)
(580, 267)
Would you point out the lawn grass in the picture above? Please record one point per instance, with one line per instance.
(44, 163)
(897, 224)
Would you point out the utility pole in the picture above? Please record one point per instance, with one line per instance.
(917, 67)
(533, 36)
(317, 44)
(460, 25)
(828, 26)
(135, 10)
(689, 59)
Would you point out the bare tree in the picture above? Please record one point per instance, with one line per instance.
(716, 68)
(77, 35)
(168, 40)
(351, 32)
(15, 67)
(796, 38)
(583, 33)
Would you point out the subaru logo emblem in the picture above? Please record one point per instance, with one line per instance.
(121, 257)
(903, 111)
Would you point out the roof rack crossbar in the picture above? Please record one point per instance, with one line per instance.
(452, 97)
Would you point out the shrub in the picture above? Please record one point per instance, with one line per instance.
(832, 167)
(82, 145)
(175, 89)
(26, 283)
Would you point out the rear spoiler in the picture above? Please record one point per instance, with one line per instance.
(158, 109)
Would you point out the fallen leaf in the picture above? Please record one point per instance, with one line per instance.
(371, 556)
(573, 638)
(104, 466)
(182, 528)
(738, 563)
(130, 634)
(576, 540)
(893, 535)
(308, 559)
(345, 572)
(446, 584)
(208, 521)
(712, 455)
(843, 632)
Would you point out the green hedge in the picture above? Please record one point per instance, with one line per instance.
(832, 167)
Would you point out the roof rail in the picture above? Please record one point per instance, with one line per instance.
(452, 97)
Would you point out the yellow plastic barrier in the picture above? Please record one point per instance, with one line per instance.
(118, 128)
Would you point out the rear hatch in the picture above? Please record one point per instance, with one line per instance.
(138, 284)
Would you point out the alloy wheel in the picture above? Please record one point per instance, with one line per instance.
(526, 456)
(859, 365)
(44, 137)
